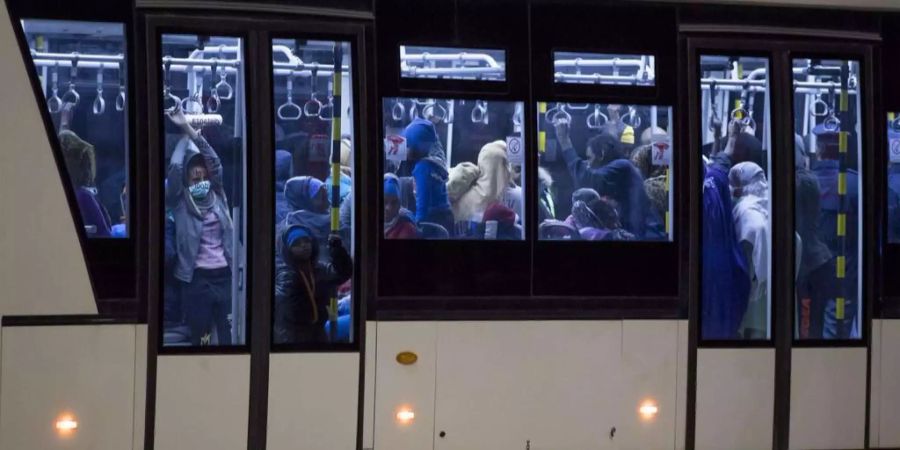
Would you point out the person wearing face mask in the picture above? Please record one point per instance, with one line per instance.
(398, 221)
(304, 284)
(195, 195)
(607, 171)
(749, 192)
(81, 165)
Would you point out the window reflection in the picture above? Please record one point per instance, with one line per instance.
(604, 68)
(604, 172)
(313, 192)
(82, 71)
(452, 63)
(828, 146)
(736, 217)
(453, 169)
(205, 220)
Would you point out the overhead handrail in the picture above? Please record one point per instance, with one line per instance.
(398, 111)
(480, 112)
(71, 95)
(120, 97)
(597, 119)
(168, 97)
(54, 103)
(99, 106)
(290, 110)
(313, 107)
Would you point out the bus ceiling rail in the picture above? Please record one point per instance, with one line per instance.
(464, 57)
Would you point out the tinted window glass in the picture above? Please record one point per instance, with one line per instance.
(453, 169)
(313, 192)
(604, 172)
(82, 70)
(205, 193)
(452, 63)
(828, 208)
(893, 193)
(736, 217)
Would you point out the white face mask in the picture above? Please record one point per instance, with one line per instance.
(200, 190)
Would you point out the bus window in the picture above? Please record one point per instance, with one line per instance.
(314, 144)
(205, 192)
(452, 63)
(893, 193)
(82, 72)
(736, 216)
(601, 68)
(828, 208)
(453, 169)
(604, 172)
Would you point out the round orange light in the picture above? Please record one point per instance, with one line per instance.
(66, 424)
(405, 416)
(648, 410)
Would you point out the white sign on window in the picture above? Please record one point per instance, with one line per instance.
(515, 151)
(661, 149)
(319, 148)
(895, 149)
(395, 148)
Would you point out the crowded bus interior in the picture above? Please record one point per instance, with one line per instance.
(452, 224)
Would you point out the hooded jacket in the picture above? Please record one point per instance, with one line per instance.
(298, 317)
(299, 192)
(429, 169)
(188, 225)
(751, 224)
(618, 179)
(82, 167)
(725, 283)
(489, 187)
(283, 160)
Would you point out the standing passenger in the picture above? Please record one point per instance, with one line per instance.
(751, 221)
(203, 233)
(430, 173)
(607, 171)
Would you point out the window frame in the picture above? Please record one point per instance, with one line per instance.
(158, 167)
(870, 150)
(354, 36)
(781, 54)
(760, 51)
(114, 265)
(259, 168)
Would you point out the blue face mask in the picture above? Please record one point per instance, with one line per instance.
(200, 190)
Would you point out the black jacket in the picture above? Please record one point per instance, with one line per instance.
(298, 318)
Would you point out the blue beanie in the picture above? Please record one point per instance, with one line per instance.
(391, 186)
(296, 233)
(419, 135)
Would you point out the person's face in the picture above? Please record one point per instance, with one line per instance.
(391, 207)
(301, 250)
(320, 201)
(197, 174)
